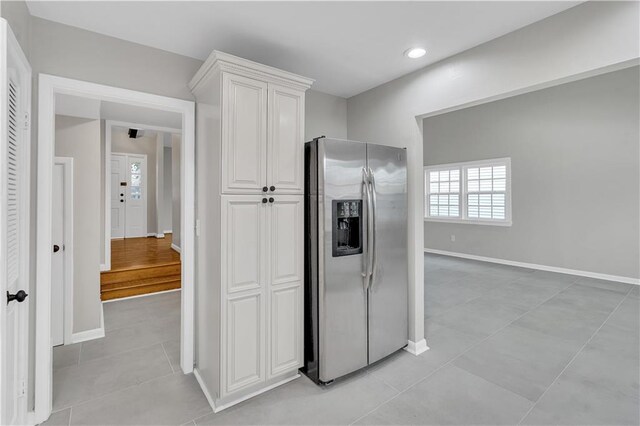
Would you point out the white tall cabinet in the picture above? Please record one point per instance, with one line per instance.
(249, 248)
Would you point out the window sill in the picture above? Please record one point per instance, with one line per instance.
(469, 222)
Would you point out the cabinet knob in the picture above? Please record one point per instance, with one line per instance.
(271, 200)
(273, 188)
(265, 189)
(264, 200)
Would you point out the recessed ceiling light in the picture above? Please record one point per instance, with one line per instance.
(415, 52)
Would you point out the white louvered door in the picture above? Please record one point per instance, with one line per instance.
(14, 216)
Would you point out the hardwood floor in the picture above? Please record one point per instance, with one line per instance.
(141, 266)
(135, 252)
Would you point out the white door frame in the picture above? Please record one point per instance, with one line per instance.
(108, 202)
(67, 163)
(14, 63)
(109, 124)
(49, 86)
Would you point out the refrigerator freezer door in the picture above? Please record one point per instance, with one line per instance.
(342, 303)
(388, 326)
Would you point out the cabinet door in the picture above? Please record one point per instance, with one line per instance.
(285, 332)
(285, 161)
(244, 134)
(286, 248)
(244, 342)
(285, 268)
(244, 228)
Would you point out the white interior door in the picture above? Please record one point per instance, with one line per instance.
(15, 94)
(136, 201)
(118, 194)
(57, 258)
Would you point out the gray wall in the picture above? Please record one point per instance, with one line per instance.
(146, 145)
(79, 138)
(175, 189)
(167, 201)
(325, 115)
(575, 174)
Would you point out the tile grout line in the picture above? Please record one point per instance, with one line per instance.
(167, 357)
(574, 357)
(112, 392)
(461, 354)
(102, 358)
(70, 413)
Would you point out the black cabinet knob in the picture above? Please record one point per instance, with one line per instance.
(122, 195)
(265, 189)
(122, 201)
(273, 188)
(271, 200)
(264, 200)
(56, 248)
(18, 297)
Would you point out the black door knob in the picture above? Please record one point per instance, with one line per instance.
(265, 189)
(20, 296)
(271, 200)
(264, 200)
(273, 188)
(56, 248)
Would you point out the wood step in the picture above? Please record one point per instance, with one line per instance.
(139, 283)
(133, 274)
(139, 290)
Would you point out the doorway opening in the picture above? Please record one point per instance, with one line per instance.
(142, 208)
(82, 120)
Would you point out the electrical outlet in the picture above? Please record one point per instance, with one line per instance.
(453, 238)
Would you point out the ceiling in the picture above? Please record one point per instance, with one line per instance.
(348, 47)
(76, 106)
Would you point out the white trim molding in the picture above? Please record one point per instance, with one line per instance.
(49, 86)
(204, 388)
(175, 247)
(416, 348)
(588, 274)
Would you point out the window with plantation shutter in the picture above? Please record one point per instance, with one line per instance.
(471, 192)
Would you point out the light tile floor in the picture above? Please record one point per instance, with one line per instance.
(508, 346)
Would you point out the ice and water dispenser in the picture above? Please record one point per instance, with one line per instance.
(347, 227)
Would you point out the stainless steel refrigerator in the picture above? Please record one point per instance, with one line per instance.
(355, 255)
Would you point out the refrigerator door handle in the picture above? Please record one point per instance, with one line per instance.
(372, 233)
(365, 189)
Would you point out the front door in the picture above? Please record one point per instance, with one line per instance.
(118, 194)
(15, 94)
(128, 196)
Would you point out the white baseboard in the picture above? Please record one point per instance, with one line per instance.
(95, 333)
(169, 231)
(252, 394)
(205, 391)
(151, 234)
(416, 348)
(597, 275)
(159, 235)
(176, 248)
(103, 267)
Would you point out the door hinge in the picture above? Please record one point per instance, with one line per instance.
(27, 122)
(22, 388)
(197, 227)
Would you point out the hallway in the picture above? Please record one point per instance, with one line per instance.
(132, 375)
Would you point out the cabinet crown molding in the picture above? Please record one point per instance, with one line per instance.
(220, 61)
